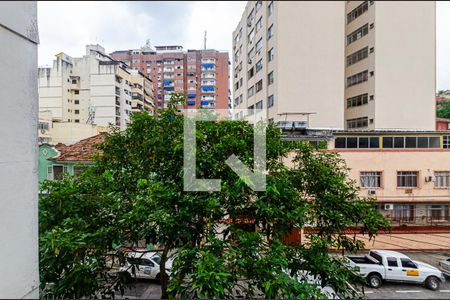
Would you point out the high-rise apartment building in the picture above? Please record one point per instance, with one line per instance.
(201, 75)
(344, 64)
(94, 89)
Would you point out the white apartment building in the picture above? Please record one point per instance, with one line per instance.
(337, 64)
(94, 89)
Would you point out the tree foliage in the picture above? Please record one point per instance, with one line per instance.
(227, 242)
(443, 110)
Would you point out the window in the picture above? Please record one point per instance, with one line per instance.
(446, 142)
(77, 121)
(357, 11)
(270, 101)
(250, 18)
(270, 32)
(259, 105)
(270, 78)
(357, 34)
(357, 78)
(270, 54)
(258, 6)
(250, 55)
(407, 178)
(259, 45)
(357, 100)
(77, 92)
(43, 126)
(77, 111)
(250, 110)
(370, 179)
(236, 101)
(74, 81)
(392, 262)
(259, 86)
(404, 213)
(250, 37)
(259, 24)
(411, 142)
(55, 172)
(77, 101)
(357, 56)
(270, 8)
(258, 65)
(250, 72)
(442, 179)
(407, 263)
(250, 92)
(438, 212)
(358, 122)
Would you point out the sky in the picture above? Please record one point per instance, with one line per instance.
(69, 26)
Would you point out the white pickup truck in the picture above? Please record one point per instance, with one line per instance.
(386, 265)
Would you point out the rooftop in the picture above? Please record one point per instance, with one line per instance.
(84, 150)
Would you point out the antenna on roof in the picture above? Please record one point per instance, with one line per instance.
(204, 41)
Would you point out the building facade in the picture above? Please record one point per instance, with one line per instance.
(360, 65)
(407, 172)
(19, 251)
(94, 89)
(201, 75)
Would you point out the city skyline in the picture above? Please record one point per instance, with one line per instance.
(127, 25)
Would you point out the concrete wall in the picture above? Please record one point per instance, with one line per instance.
(19, 275)
(70, 133)
(405, 64)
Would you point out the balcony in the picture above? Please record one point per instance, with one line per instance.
(168, 69)
(208, 60)
(208, 98)
(208, 82)
(208, 75)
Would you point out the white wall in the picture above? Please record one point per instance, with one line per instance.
(19, 276)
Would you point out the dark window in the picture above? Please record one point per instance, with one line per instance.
(259, 86)
(77, 101)
(77, 111)
(388, 142)
(357, 100)
(407, 263)
(259, 65)
(363, 142)
(392, 262)
(77, 92)
(352, 142)
(357, 78)
(411, 142)
(357, 34)
(434, 142)
(357, 123)
(259, 105)
(270, 101)
(422, 142)
(340, 142)
(399, 142)
(359, 10)
(407, 178)
(58, 172)
(74, 81)
(357, 56)
(270, 78)
(374, 142)
(270, 54)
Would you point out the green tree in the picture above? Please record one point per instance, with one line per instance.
(227, 242)
(444, 110)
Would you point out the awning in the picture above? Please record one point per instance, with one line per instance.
(167, 82)
(208, 66)
(207, 88)
(204, 103)
(169, 88)
(190, 102)
(192, 95)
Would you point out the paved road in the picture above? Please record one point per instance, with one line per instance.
(412, 291)
(145, 289)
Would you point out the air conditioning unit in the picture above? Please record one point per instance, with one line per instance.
(430, 179)
(372, 192)
(249, 61)
(388, 206)
(249, 23)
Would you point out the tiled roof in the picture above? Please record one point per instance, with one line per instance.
(84, 150)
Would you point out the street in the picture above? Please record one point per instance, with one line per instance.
(148, 289)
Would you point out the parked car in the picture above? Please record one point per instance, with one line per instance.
(444, 266)
(385, 265)
(146, 265)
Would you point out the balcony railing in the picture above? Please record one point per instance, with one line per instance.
(423, 220)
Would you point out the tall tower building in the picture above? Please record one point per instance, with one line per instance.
(201, 75)
(347, 64)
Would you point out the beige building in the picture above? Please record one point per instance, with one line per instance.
(94, 89)
(408, 172)
(345, 64)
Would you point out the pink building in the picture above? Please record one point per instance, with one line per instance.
(201, 75)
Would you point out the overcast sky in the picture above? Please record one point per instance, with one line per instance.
(69, 26)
